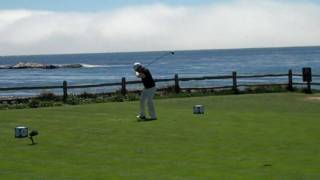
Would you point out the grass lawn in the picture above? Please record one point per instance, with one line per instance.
(264, 136)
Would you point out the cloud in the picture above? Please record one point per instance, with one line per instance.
(239, 24)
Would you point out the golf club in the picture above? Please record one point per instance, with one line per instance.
(160, 57)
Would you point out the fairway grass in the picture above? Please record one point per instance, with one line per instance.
(263, 136)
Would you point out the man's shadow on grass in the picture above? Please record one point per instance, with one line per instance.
(146, 120)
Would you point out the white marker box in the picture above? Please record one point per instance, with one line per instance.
(198, 109)
(21, 132)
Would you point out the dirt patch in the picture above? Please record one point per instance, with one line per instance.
(313, 98)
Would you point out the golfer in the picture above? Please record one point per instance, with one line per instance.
(147, 93)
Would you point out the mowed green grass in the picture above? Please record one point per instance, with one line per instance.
(265, 136)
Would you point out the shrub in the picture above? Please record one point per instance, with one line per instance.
(73, 100)
(132, 97)
(57, 104)
(46, 104)
(100, 99)
(4, 106)
(21, 106)
(48, 96)
(266, 89)
(88, 95)
(49, 99)
(34, 103)
(116, 98)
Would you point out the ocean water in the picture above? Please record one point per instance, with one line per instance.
(111, 67)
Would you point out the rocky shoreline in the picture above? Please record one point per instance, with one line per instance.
(30, 65)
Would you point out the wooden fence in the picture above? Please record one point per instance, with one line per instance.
(234, 77)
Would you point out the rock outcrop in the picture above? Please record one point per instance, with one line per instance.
(30, 65)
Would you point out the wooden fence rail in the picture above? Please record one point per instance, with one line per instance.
(123, 84)
(261, 76)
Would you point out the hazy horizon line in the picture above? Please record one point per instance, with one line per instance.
(179, 50)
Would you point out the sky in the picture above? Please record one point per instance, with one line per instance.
(92, 5)
(92, 26)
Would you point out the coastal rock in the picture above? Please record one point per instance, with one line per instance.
(72, 66)
(30, 65)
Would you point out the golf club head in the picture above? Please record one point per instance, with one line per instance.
(31, 135)
(34, 133)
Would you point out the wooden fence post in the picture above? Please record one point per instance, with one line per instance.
(307, 77)
(234, 81)
(123, 86)
(290, 86)
(65, 91)
(176, 83)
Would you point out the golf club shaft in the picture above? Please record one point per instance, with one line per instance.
(160, 57)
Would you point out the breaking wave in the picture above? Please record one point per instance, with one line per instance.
(102, 66)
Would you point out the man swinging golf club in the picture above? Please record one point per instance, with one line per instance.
(147, 93)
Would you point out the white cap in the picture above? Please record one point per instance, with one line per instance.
(137, 65)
